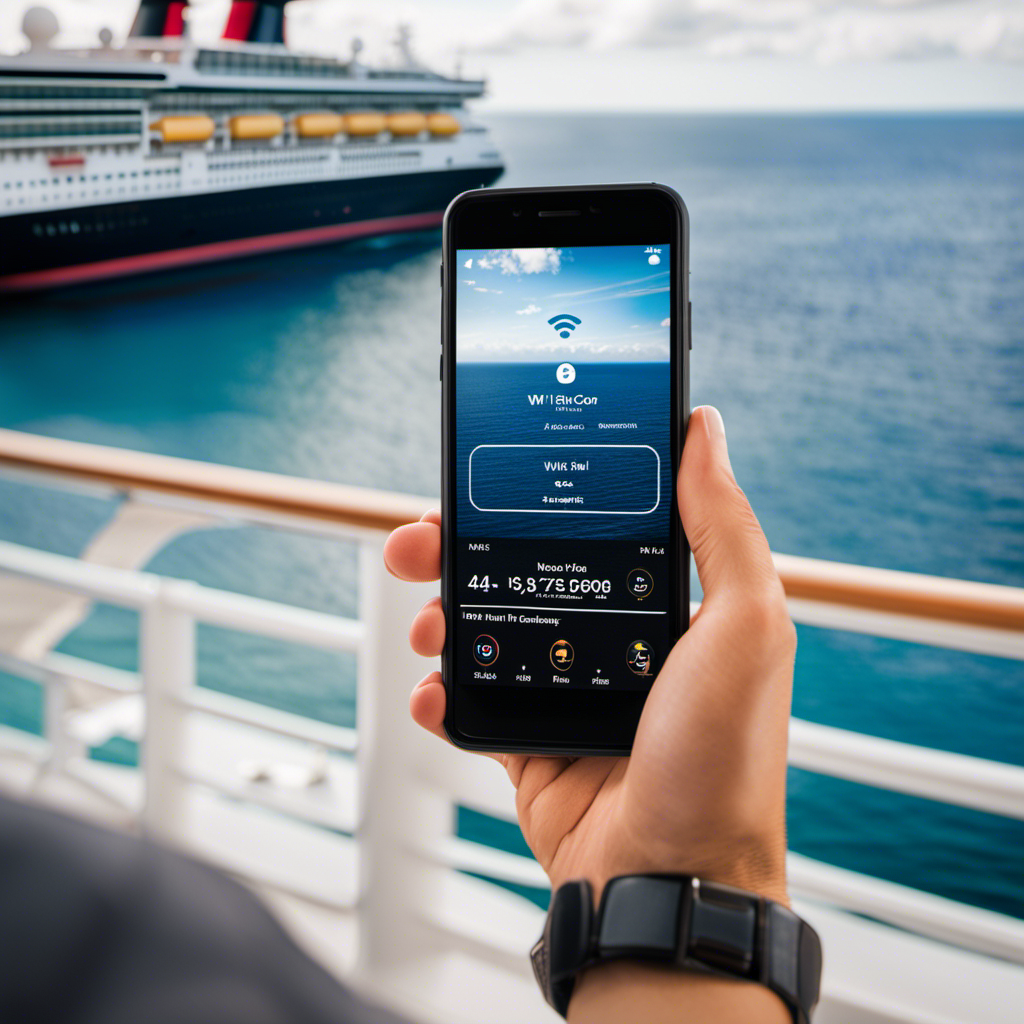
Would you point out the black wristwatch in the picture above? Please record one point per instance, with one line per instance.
(682, 921)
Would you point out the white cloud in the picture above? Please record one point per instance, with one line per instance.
(468, 264)
(824, 30)
(610, 349)
(492, 291)
(667, 322)
(468, 282)
(528, 311)
(608, 287)
(522, 261)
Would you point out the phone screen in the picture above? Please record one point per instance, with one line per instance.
(563, 469)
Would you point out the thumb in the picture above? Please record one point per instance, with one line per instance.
(730, 550)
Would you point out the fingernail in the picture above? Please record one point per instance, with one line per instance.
(714, 423)
(715, 426)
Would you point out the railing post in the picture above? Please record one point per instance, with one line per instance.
(55, 708)
(395, 811)
(167, 661)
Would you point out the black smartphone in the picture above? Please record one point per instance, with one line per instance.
(565, 370)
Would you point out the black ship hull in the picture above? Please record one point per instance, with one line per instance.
(51, 248)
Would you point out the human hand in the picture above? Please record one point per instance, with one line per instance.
(704, 790)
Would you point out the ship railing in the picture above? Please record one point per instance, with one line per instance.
(369, 834)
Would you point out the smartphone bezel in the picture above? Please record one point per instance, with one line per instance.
(579, 722)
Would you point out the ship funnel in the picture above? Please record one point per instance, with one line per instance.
(256, 21)
(158, 18)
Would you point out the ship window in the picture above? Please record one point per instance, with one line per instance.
(37, 230)
(74, 227)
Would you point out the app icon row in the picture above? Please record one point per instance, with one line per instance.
(639, 654)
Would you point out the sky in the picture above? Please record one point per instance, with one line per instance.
(656, 55)
(619, 293)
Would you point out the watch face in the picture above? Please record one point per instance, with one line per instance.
(645, 917)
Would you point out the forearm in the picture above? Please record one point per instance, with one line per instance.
(625, 993)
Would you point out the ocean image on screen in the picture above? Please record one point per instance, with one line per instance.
(563, 392)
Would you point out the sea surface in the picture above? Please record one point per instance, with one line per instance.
(858, 310)
(623, 476)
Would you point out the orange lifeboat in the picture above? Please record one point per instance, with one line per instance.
(405, 124)
(256, 126)
(196, 128)
(319, 125)
(443, 124)
(365, 124)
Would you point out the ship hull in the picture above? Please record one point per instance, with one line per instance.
(53, 248)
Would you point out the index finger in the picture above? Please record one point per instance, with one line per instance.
(413, 552)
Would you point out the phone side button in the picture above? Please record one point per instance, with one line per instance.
(440, 368)
(440, 267)
(689, 322)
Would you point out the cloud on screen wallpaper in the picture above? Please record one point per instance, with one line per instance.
(505, 299)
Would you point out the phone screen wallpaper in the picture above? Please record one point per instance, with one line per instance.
(563, 470)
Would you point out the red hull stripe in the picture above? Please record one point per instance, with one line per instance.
(174, 23)
(216, 251)
(240, 19)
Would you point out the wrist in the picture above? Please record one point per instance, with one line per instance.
(624, 992)
(753, 867)
(672, 925)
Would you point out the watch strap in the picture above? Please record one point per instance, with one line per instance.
(682, 921)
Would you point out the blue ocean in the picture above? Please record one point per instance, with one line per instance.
(623, 477)
(858, 311)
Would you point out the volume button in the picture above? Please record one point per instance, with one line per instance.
(440, 368)
(689, 322)
(440, 267)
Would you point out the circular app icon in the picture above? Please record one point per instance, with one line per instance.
(485, 649)
(562, 654)
(639, 657)
(640, 583)
(566, 373)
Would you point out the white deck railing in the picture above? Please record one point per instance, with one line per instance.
(389, 791)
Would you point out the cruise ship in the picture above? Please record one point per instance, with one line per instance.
(163, 152)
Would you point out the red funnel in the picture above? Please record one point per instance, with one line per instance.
(256, 21)
(159, 18)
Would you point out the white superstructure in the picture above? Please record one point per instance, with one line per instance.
(164, 147)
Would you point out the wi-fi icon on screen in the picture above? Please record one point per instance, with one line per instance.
(565, 323)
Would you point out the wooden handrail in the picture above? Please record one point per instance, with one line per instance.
(902, 593)
(128, 471)
(881, 590)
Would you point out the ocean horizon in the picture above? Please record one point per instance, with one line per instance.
(858, 316)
